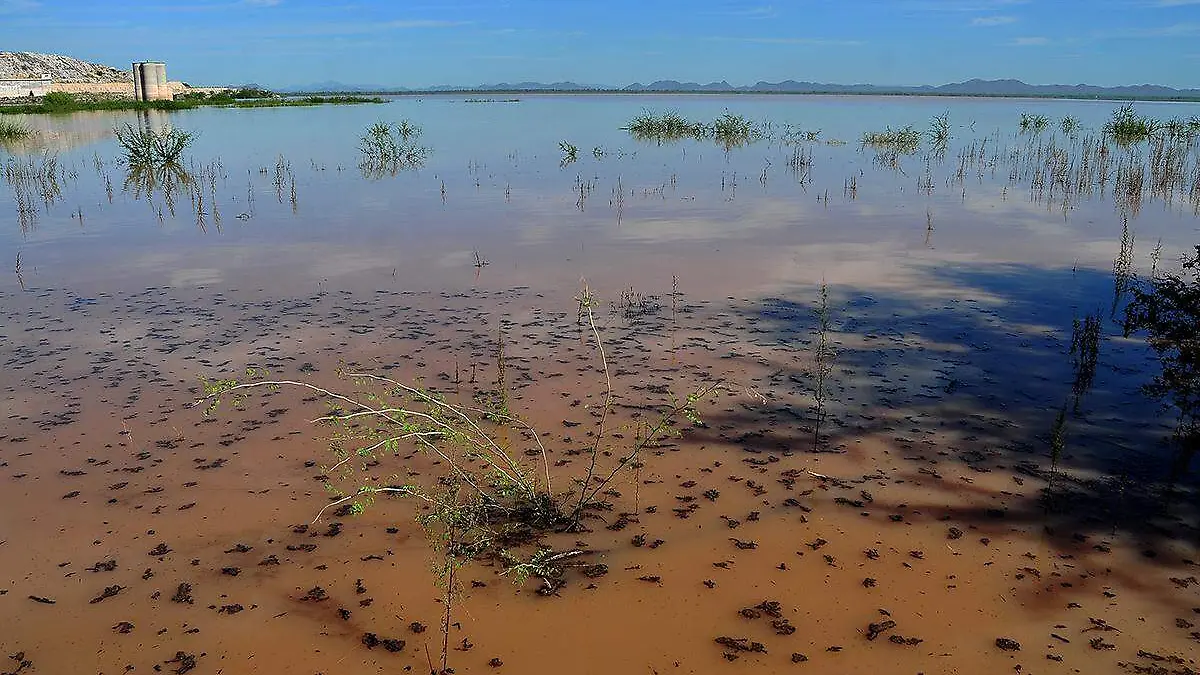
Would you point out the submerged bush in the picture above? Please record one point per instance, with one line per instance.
(1033, 124)
(1128, 128)
(387, 149)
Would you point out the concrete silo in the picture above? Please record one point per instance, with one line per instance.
(150, 81)
(160, 75)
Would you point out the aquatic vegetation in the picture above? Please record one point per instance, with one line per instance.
(144, 145)
(729, 130)
(387, 150)
(37, 178)
(305, 101)
(791, 135)
(1126, 127)
(1070, 125)
(939, 133)
(733, 131)
(800, 164)
(891, 144)
(494, 497)
(633, 305)
(12, 131)
(1032, 123)
(570, 153)
(905, 140)
(666, 126)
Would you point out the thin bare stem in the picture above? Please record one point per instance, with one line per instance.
(585, 304)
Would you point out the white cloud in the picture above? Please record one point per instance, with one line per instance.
(993, 20)
(1029, 41)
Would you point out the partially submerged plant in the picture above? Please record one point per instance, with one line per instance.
(734, 131)
(665, 127)
(729, 130)
(152, 146)
(1126, 127)
(905, 140)
(570, 153)
(1070, 125)
(939, 133)
(498, 492)
(1033, 124)
(386, 150)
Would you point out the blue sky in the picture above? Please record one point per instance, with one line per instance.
(416, 43)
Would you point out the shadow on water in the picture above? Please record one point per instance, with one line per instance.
(968, 375)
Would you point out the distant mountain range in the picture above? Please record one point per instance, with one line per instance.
(976, 87)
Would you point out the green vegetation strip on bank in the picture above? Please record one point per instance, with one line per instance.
(63, 102)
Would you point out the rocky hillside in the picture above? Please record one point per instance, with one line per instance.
(59, 68)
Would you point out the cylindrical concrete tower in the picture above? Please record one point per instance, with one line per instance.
(160, 75)
(138, 93)
(149, 83)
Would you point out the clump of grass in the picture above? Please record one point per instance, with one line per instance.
(729, 130)
(1033, 124)
(667, 126)
(13, 131)
(1126, 127)
(905, 140)
(734, 131)
(152, 146)
(387, 149)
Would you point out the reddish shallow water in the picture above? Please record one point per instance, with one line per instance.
(920, 503)
(906, 481)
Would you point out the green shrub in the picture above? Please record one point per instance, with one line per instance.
(59, 100)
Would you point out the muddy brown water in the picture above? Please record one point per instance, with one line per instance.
(921, 502)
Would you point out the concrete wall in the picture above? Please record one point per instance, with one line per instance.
(118, 89)
(22, 88)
